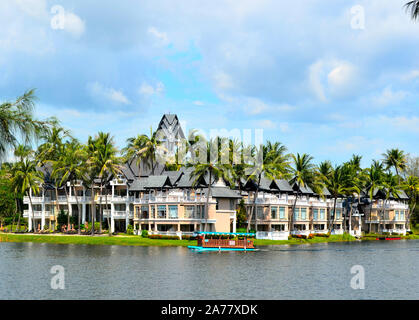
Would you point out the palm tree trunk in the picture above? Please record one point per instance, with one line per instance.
(350, 219)
(57, 205)
(78, 209)
(68, 208)
(291, 217)
(207, 201)
(331, 221)
(252, 212)
(93, 209)
(100, 210)
(33, 215)
(409, 213)
(107, 216)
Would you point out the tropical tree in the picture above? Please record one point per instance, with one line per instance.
(92, 171)
(211, 168)
(302, 175)
(373, 183)
(270, 161)
(17, 120)
(411, 186)
(395, 158)
(49, 152)
(144, 148)
(27, 179)
(413, 8)
(338, 184)
(108, 165)
(71, 167)
(391, 188)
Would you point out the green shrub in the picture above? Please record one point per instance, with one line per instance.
(144, 233)
(163, 237)
(130, 229)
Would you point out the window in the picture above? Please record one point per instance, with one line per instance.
(337, 214)
(401, 215)
(260, 212)
(274, 211)
(322, 211)
(144, 212)
(315, 214)
(282, 212)
(303, 213)
(232, 204)
(153, 211)
(161, 212)
(173, 212)
(189, 211)
(296, 210)
(396, 214)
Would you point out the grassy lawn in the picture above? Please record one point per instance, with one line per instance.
(126, 240)
(96, 240)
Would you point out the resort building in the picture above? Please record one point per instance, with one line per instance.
(171, 202)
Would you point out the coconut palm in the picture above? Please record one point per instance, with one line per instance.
(70, 167)
(338, 184)
(144, 148)
(270, 161)
(211, 168)
(411, 186)
(374, 182)
(27, 180)
(108, 164)
(302, 175)
(413, 8)
(391, 188)
(17, 120)
(395, 158)
(50, 150)
(92, 172)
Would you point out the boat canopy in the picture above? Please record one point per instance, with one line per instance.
(241, 234)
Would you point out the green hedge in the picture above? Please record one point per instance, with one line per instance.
(158, 236)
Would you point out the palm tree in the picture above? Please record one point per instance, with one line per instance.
(144, 148)
(71, 167)
(413, 7)
(271, 161)
(391, 188)
(374, 182)
(411, 186)
(211, 168)
(302, 174)
(395, 158)
(108, 164)
(92, 172)
(17, 120)
(337, 184)
(26, 179)
(50, 150)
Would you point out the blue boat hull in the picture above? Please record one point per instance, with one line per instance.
(196, 248)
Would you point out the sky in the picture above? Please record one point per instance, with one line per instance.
(330, 78)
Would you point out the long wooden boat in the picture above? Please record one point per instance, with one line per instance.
(224, 241)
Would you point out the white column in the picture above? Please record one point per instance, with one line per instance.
(43, 210)
(83, 216)
(112, 220)
(126, 215)
(234, 222)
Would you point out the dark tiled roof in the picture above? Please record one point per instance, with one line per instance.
(138, 184)
(223, 192)
(283, 185)
(154, 182)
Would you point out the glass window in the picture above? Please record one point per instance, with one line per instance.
(173, 212)
(315, 214)
(303, 213)
(337, 214)
(274, 211)
(260, 212)
(282, 212)
(322, 212)
(161, 212)
(144, 212)
(296, 210)
(189, 212)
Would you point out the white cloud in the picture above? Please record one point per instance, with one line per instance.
(198, 103)
(388, 97)
(97, 90)
(147, 89)
(74, 24)
(161, 36)
(266, 124)
(34, 8)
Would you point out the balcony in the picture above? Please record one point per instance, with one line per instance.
(272, 235)
(118, 214)
(36, 214)
(36, 199)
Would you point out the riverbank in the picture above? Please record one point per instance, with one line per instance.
(127, 240)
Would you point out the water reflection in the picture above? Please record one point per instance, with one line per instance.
(320, 271)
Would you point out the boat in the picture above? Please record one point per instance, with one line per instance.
(223, 241)
(389, 238)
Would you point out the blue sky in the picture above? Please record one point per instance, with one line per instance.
(326, 77)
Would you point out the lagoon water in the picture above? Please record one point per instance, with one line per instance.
(317, 271)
